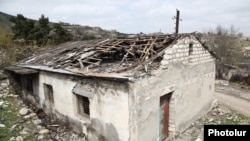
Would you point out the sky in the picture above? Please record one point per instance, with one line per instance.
(135, 16)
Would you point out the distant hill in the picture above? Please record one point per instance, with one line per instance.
(5, 21)
(79, 32)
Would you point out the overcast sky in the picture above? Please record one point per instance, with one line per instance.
(134, 16)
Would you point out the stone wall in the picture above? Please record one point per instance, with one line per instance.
(192, 90)
(189, 77)
(179, 52)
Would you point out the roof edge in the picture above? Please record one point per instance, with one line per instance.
(76, 72)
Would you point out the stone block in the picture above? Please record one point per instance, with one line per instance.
(181, 46)
(175, 46)
(169, 51)
(164, 62)
(167, 57)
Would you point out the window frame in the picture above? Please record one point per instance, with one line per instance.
(190, 48)
(82, 105)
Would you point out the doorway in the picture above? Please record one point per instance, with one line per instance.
(164, 115)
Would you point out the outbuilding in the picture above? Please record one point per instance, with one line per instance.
(145, 88)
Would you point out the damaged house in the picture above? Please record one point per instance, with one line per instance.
(145, 88)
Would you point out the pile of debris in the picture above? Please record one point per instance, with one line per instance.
(111, 55)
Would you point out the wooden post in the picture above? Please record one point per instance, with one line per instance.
(177, 21)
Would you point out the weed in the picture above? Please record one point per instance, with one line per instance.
(9, 117)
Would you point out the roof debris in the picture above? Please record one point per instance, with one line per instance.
(123, 59)
(107, 56)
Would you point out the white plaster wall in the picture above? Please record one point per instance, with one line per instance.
(108, 118)
(190, 77)
(193, 97)
(111, 108)
(62, 90)
(192, 87)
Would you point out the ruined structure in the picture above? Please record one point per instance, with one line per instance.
(135, 89)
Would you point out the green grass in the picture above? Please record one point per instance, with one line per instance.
(245, 43)
(194, 136)
(9, 117)
(234, 118)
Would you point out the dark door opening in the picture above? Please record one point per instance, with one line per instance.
(164, 115)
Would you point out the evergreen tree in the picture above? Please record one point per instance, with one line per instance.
(60, 34)
(27, 30)
(37, 34)
(41, 31)
(22, 27)
(44, 24)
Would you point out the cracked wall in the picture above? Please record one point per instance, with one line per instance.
(190, 77)
(108, 119)
(131, 111)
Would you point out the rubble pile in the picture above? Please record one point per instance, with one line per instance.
(107, 56)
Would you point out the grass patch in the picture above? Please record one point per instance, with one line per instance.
(194, 135)
(9, 117)
(245, 43)
(228, 117)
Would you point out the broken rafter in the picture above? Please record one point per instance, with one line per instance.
(80, 62)
(131, 53)
(144, 49)
(125, 68)
(87, 54)
(89, 62)
(109, 46)
(140, 66)
(128, 52)
(64, 62)
(146, 55)
(92, 58)
(102, 42)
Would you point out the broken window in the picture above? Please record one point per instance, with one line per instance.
(82, 105)
(190, 52)
(48, 92)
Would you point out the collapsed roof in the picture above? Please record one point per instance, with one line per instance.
(110, 56)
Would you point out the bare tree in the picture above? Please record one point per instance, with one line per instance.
(226, 44)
